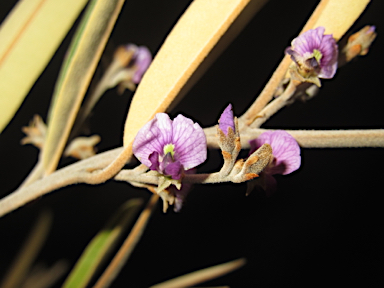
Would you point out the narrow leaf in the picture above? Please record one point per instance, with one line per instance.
(339, 15)
(129, 244)
(29, 37)
(102, 244)
(28, 253)
(84, 54)
(190, 41)
(203, 275)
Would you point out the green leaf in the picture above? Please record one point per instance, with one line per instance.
(29, 37)
(102, 244)
(84, 54)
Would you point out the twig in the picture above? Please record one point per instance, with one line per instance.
(202, 275)
(317, 138)
(276, 104)
(77, 172)
(267, 94)
(66, 176)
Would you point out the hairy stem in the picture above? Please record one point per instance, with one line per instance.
(76, 173)
(276, 104)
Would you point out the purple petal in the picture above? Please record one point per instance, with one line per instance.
(328, 62)
(226, 120)
(154, 159)
(142, 60)
(303, 48)
(371, 29)
(285, 150)
(182, 193)
(308, 41)
(152, 138)
(190, 142)
(174, 170)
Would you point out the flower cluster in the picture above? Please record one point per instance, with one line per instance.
(315, 55)
(174, 148)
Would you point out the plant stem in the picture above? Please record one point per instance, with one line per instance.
(79, 171)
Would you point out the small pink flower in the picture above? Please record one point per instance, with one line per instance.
(170, 147)
(286, 152)
(314, 53)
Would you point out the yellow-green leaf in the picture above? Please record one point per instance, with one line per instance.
(84, 54)
(102, 244)
(190, 41)
(339, 15)
(29, 37)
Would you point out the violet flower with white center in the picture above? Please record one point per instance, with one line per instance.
(314, 53)
(226, 120)
(170, 147)
(286, 153)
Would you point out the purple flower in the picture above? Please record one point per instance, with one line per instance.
(286, 152)
(170, 147)
(226, 120)
(314, 53)
(140, 61)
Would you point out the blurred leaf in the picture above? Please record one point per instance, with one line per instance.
(27, 254)
(29, 36)
(42, 276)
(102, 244)
(190, 41)
(127, 247)
(202, 275)
(84, 54)
(339, 15)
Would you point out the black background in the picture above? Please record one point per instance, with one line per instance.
(324, 224)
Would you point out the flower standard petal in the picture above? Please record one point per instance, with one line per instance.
(190, 142)
(330, 54)
(152, 138)
(308, 41)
